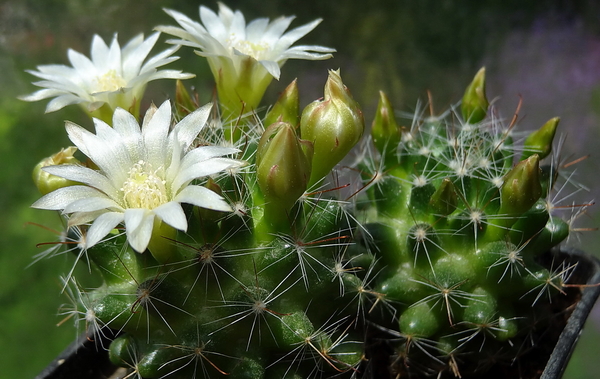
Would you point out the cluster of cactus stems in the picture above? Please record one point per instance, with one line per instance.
(410, 250)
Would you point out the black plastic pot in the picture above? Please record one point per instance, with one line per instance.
(85, 358)
(589, 268)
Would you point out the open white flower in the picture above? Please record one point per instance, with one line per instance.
(143, 175)
(114, 76)
(243, 58)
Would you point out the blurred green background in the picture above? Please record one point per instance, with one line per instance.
(545, 52)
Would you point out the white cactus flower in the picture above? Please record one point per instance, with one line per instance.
(113, 76)
(143, 175)
(243, 58)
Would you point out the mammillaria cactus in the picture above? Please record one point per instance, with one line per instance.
(241, 248)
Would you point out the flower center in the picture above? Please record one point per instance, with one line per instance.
(143, 188)
(109, 81)
(255, 50)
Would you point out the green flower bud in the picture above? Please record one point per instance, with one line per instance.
(474, 102)
(283, 164)
(46, 182)
(286, 109)
(334, 125)
(184, 104)
(384, 130)
(540, 141)
(521, 188)
(444, 200)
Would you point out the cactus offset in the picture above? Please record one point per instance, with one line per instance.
(421, 257)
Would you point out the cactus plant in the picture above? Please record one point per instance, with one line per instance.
(231, 247)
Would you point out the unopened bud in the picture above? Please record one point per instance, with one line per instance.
(334, 125)
(521, 188)
(283, 163)
(444, 200)
(384, 130)
(184, 104)
(286, 109)
(474, 102)
(540, 141)
(46, 182)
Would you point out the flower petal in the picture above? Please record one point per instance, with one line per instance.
(84, 217)
(111, 157)
(81, 63)
(41, 94)
(62, 101)
(83, 175)
(138, 225)
(172, 214)
(295, 34)
(129, 131)
(91, 204)
(255, 30)
(213, 23)
(208, 167)
(188, 128)
(76, 135)
(276, 29)
(62, 197)
(272, 68)
(135, 52)
(204, 153)
(203, 197)
(155, 134)
(113, 60)
(99, 52)
(102, 226)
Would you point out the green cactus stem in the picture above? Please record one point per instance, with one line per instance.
(422, 259)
